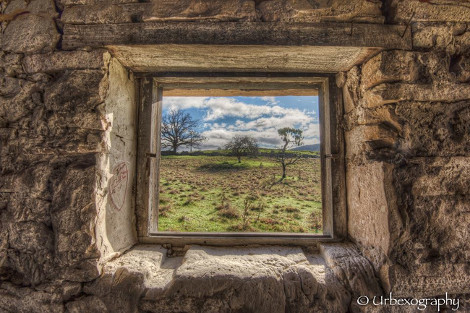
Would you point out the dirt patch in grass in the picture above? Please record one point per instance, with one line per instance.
(229, 213)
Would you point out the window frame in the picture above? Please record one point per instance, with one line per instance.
(150, 91)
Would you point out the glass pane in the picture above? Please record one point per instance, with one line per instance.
(240, 164)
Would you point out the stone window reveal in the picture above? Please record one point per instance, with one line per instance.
(151, 92)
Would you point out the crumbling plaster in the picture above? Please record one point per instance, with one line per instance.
(407, 162)
(116, 165)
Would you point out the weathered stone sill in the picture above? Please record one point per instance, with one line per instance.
(240, 279)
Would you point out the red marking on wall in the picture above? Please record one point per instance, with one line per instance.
(118, 185)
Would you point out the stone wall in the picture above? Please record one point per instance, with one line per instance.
(407, 151)
(52, 129)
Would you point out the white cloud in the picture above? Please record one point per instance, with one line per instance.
(184, 102)
(263, 120)
(221, 107)
(293, 119)
(312, 130)
(218, 137)
(270, 100)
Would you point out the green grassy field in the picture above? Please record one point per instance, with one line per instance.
(217, 194)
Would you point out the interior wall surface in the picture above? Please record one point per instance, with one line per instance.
(67, 142)
(115, 190)
(408, 154)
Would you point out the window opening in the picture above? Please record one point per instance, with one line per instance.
(255, 225)
(240, 164)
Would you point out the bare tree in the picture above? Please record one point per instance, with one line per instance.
(291, 137)
(178, 129)
(242, 146)
(194, 140)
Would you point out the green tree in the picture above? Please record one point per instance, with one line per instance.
(291, 137)
(242, 146)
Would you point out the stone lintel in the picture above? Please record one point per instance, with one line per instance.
(238, 33)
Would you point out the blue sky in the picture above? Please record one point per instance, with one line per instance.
(221, 118)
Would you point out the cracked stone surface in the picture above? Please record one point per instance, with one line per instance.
(210, 279)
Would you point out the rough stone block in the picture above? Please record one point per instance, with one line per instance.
(434, 177)
(351, 90)
(64, 60)
(418, 204)
(387, 93)
(271, 279)
(73, 212)
(369, 205)
(121, 290)
(257, 270)
(83, 92)
(34, 180)
(435, 229)
(67, 290)
(32, 186)
(30, 33)
(59, 140)
(321, 11)
(10, 64)
(33, 247)
(80, 122)
(82, 271)
(41, 7)
(452, 38)
(90, 304)
(24, 208)
(437, 11)
(10, 86)
(64, 3)
(390, 66)
(17, 99)
(105, 13)
(383, 115)
(392, 93)
(460, 68)
(202, 10)
(30, 236)
(431, 197)
(430, 280)
(434, 129)
(17, 299)
(30, 257)
(370, 142)
(353, 270)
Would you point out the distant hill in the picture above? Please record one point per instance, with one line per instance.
(315, 147)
